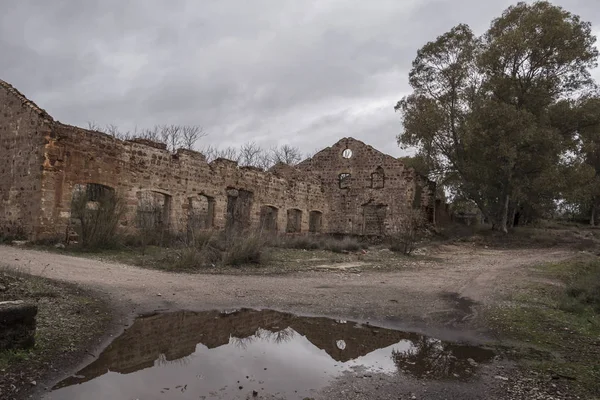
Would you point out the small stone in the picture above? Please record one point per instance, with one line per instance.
(472, 362)
(158, 294)
(2, 288)
(59, 245)
(33, 383)
(502, 378)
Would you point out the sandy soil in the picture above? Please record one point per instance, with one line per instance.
(438, 297)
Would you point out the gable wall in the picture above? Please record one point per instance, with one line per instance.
(351, 210)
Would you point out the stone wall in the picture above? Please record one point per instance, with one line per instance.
(349, 188)
(189, 185)
(23, 127)
(365, 189)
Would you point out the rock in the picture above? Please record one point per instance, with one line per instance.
(158, 294)
(59, 245)
(19, 242)
(472, 362)
(502, 378)
(33, 383)
(2, 288)
(17, 325)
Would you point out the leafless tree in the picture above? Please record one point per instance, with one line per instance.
(93, 126)
(252, 155)
(151, 134)
(285, 154)
(171, 135)
(190, 135)
(212, 153)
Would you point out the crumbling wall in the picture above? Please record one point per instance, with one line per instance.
(23, 127)
(349, 188)
(136, 167)
(366, 189)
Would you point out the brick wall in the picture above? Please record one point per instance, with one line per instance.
(23, 127)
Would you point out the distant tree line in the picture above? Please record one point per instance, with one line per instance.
(510, 120)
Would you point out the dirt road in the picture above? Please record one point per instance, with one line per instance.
(440, 298)
(433, 293)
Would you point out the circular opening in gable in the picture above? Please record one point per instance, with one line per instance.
(347, 153)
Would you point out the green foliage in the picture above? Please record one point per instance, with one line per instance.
(482, 111)
(583, 289)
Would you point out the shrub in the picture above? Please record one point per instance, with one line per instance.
(344, 245)
(245, 249)
(405, 231)
(97, 220)
(313, 242)
(584, 289)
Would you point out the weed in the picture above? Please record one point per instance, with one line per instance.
(247, 249)
(560, 321)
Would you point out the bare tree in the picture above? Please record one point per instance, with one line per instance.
(212, 153)
(172, 136)
(252, 155)
(191, 134)
(93, 126)
(152, 134)
(285, 154)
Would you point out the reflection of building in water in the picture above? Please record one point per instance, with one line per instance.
(432, 358)
(173, 336)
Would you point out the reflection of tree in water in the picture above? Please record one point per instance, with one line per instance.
(276, 337)
(432, 358)
(162, 360)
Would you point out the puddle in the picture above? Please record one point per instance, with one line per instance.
(249, 354)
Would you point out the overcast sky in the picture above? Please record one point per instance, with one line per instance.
(301, 72)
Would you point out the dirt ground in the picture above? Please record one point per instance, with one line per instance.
(440, 295)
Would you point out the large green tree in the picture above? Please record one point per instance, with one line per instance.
(481, 107)
(581, 166)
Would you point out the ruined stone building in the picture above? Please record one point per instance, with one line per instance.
(348, 188)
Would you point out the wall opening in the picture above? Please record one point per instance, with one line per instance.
(378, 179)
(239, 208)
(201, 213)
(153, 211)
(347, 153)
(95, 212)
(268, 218)
(417, 198)
(374, 219)
(294, 221)
(315, 221)
(344, 180)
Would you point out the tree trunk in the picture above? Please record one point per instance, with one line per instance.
(593, 214)
(504, 220)
(511, 216)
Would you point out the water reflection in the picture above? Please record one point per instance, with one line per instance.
(251, 353)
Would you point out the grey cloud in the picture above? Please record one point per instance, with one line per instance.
(273, 71)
